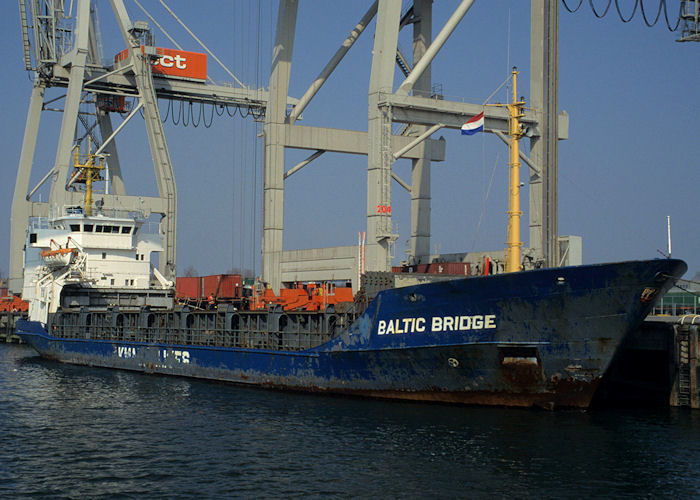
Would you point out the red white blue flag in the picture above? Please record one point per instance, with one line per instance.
(474, 124)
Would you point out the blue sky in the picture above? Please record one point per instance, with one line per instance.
(632, 158)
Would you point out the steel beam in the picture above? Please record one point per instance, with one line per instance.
(400, 182)
(544, 32)
(165, 177)
(353, 141)
(415, 142)
(21, 207)
(426, 111)
(109, 139)
(380, 232)
(429, 54)
(110, 148)
(535, 169)
(26, 46)
(273, 188)
(419, 242)
(303, 163)
(213, 56)
(69, 120)
(333, 63)
(94, 42)
(118, 82)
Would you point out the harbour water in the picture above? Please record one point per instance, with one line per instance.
(74, 432)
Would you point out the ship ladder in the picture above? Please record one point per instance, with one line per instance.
(683, 367)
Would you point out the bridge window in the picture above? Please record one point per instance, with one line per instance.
(75, 228)
(87, 228)
(126, 229)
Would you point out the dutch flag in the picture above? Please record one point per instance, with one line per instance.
(474, 124)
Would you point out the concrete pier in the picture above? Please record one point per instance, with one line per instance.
(7, 326)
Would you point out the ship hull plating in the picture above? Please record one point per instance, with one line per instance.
(541, 337)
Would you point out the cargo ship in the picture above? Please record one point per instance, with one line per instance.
(542, 337)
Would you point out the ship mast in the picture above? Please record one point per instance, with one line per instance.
(513, 243)
(87, 173)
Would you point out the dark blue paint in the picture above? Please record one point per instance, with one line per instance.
(570, 320)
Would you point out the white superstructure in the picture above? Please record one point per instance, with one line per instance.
(106, 251)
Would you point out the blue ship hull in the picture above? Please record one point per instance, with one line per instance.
(543, 337)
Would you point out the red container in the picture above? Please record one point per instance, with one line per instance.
(420, 268)
(230, 286)
(189, 287)
(225, 286)
(461, 268)
(210, 285)
(453, 268)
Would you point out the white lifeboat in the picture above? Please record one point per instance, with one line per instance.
(59, 257)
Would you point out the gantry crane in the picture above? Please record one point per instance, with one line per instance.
(62, 56)
(61, 49)
(423, 113)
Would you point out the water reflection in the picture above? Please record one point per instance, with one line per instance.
(113, 431)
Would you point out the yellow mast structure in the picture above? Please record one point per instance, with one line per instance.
(89, 172)
(513, 243)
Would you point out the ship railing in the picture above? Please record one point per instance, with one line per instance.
(79, 209)
(36, 223)
(435, 93)
(224, 327)
(204, 338)
(225, 339)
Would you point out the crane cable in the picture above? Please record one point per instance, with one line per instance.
(254, 240)
(637, 3)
